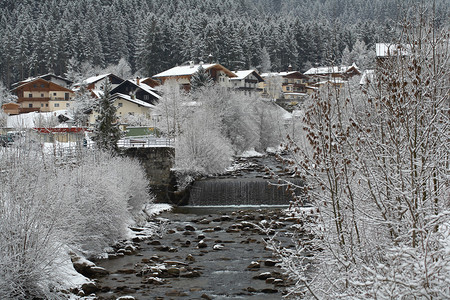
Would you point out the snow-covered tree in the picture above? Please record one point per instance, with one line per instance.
(3, 118)
(273, 86)
(73, 71)
(201, 148)
(106, 131)
(266, 65)
(171, 110)
(5, 95)
(82, 104)
(200, 79)
(49, 209)
(360, 55)
(121, 69)
(377, 171)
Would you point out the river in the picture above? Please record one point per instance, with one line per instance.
(204, 253)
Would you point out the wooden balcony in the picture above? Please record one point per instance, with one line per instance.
(23, 110)
(251, 81)
(37, 99)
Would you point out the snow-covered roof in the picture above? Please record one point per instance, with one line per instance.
(298, 113)
(136, 101)
(29, 79)
(97, 93)
(183, 70)
(146, 88)
(244, 74)
(367, 77)
(95, 78)
(332, 81)
(329, 70)
(272, 74)
(387, 49)
(188, 70)
(296, 94)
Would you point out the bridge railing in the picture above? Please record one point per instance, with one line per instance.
(145, 141)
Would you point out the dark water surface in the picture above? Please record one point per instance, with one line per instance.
(205, 253)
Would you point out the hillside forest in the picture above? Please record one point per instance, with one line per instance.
(37, 37)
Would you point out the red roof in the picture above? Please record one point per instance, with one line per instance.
(62, 129)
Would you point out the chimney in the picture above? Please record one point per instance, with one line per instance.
(137, 80)
(191, 64)
(290, 68)
(210, 58)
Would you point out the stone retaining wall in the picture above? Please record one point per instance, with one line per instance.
(157, 162)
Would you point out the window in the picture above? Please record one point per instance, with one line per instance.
(30, 95)
(56, 104)
(120, 104)
(66, 96)
(67, 104)
(46, 104)
(288, 88)
(42, 85)
(131, 113)
(54, 94)
(42, 95)
(35, 85)
(30, 105)
(42, 104)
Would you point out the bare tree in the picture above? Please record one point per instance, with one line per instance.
(378, 174)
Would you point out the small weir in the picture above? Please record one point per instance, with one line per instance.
(250, 183)
(239, 191)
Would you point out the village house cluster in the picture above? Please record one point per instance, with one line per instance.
(50, 93)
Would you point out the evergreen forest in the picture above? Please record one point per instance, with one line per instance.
(37, 37)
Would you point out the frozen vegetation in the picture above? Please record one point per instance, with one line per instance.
(49, 209)
(211, 125)
(375, 162)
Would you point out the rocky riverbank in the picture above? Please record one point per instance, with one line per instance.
(202, 254)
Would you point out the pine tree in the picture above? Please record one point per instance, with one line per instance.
(200, 79)
(106, 131)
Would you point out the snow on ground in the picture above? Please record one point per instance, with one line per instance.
(157, 208)
(274, 150)
(68, 277)
(251, 153)
(33, 119)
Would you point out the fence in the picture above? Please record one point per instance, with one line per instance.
(145, 141)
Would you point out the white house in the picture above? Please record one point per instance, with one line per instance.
(182, 74)
(246, 80)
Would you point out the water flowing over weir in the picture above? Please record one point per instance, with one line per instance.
(239, 191)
